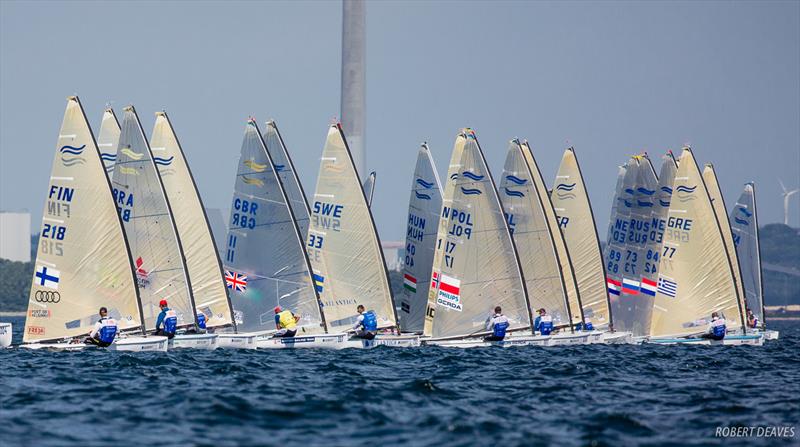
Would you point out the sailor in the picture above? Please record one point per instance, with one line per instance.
(543, 323)
(104, 330)
(497, 323)
(716, 328)
(366, 326)
(285, 323)
(201, 322)
(167, 321)
(585, 326)
(752, 320)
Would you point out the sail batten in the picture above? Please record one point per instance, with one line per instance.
(265, 261)
(424, 207)
(82, 260)
(202, 259)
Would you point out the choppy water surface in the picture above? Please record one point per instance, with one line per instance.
(610, 395)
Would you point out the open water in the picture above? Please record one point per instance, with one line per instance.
(586, 395)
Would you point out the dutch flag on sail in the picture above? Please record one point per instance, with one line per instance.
(613, 286)
(667, 287)
(630, 286)
(649, 287)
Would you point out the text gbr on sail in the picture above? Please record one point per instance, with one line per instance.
(244, 213)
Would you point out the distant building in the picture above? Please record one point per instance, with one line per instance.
(15, 236)
(393, 251)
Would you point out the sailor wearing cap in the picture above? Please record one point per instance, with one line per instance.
(285, 322)
(167, 321)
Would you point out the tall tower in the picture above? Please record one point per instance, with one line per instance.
(354, 80)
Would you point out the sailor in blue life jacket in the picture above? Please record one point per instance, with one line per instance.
(104, 332)
(543, 323)
(167, 321)
(366, 326)
(585, 326)
(752, 320)
(201, 323)
(497, 323)
(716, 328)
(285, 323)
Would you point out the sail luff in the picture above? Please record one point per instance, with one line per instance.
(108, 139)
(95, 268)
(758, 258)
(292, 187)
(721, 215)
(196, 240)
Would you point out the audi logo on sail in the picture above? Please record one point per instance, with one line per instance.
(43, 296)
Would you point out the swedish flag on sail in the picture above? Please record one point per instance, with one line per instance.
(318, 282)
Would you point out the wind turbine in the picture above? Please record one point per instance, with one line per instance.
(786, 194)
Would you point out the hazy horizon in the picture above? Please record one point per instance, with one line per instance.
(610, 78)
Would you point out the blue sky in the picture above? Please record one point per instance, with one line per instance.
(610, 78)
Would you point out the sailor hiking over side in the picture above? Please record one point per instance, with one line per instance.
(104, 331)
(285, 323)
(366, 326)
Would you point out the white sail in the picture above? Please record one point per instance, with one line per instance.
(424, 207)
(744, 223)
(199, 250)
(288, 175)
(718, 202)
(531, 230)
(694, 275)
(108, 139)
(265, 261)
(82, 261)
(369, 187)
(571, 203)
(145, 210)
(480, 267)
(617, 253)
(343, 244)
(441, 232)
(567, 272)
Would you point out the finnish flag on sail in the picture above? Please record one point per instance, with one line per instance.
(47, 277)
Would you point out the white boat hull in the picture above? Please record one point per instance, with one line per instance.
(243, 340)
(193, 341)
(617, 338)
(5, 335)
(322, 341)
(730, 340)
(397, 341)
(140, 344)
(57, 346)
(567, 339)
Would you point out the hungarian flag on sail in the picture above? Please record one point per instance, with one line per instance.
(410, 283)
(613, 286)
(236, 281)
(630, 286)
(649, 287)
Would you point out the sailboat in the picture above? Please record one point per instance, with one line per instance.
(424, 207)
(344, 249)
(155, 245)
(369, 187)
(744, 224)
(83, 258)
(108, 140)
(203, 265)
(265, 261)
(695, 276)
(576, 221)
(480, 266)
(721, 213)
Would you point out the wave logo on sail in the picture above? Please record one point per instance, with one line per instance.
(630, 191)
(685, 193)
(424, 184)
(163, 161)
(512, 193)
(422, 196)
(666, 189)
(516, 180)
(471, 191)
(627, 204)
(564, 191)
(128, 171)
(252, 181)
(333, 167)
(646, 191)
(255, 167)
(280, 168)
(449, 295)
(72, 155)
(744, 211)
(472, 176)
(109, 159)
(644, 204)
(454, 176)
(131, 154)
(664, 203)
(741, 221)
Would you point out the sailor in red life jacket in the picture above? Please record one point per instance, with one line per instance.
(497, 323)
(716, 328)
(752, 320)
(104, 330)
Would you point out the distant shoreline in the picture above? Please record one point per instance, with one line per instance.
(12, 314)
